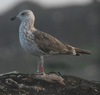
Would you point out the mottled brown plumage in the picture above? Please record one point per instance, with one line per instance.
(48, 43)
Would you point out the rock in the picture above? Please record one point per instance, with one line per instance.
(50, 84)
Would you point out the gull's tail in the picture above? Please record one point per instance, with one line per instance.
(77, 51)
(82, 51)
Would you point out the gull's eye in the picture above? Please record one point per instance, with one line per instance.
(23, 14)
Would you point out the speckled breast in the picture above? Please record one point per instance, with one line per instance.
(27, 42)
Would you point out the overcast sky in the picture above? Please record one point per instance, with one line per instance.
(7, 4)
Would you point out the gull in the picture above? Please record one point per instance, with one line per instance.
(39, 43)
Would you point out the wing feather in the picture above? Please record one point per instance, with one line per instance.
(48, 43)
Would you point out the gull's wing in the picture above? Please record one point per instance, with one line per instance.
(50, 45)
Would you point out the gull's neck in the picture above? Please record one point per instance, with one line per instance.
(28, 24)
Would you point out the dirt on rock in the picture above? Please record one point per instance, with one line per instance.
(27, 84)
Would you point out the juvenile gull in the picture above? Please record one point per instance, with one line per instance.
(41, 44)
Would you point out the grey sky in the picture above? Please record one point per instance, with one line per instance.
(7, 4)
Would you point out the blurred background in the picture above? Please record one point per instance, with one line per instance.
(75, 22)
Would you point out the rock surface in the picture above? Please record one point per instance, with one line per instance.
(29, 84)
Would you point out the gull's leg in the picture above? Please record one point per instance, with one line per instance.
(42, 62)
(38, 65)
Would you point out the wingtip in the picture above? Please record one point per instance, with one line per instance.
(88, 52)
(82, 51)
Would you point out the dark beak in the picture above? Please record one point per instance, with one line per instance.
(13, 18)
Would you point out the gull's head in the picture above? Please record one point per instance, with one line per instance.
(25, 15)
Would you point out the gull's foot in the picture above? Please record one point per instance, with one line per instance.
(40, 73)
(51, 78)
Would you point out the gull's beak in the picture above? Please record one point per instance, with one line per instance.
(13, 18)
